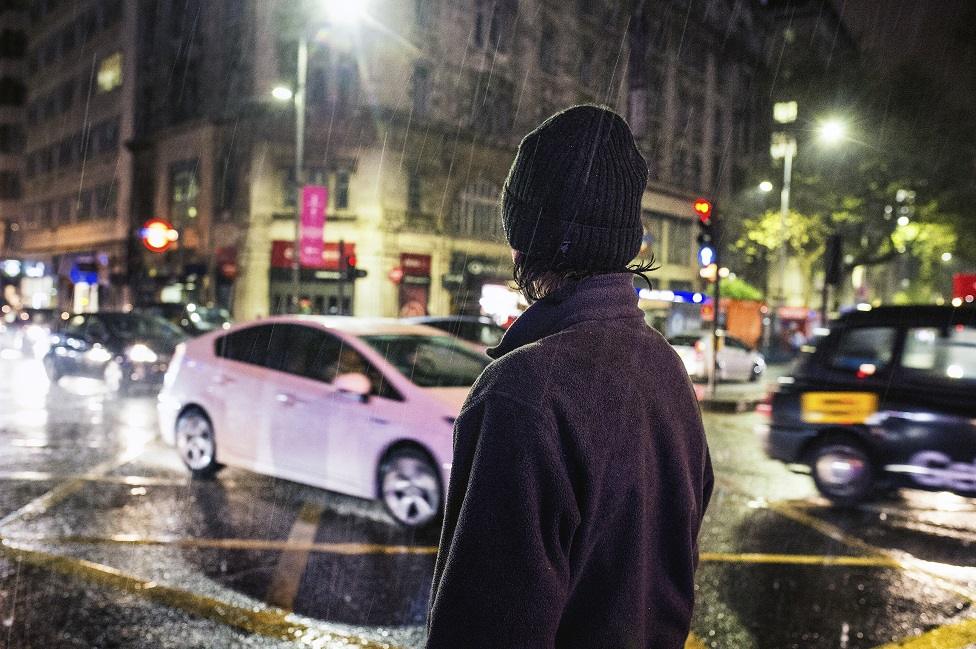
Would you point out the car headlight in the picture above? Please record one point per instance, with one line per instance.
(98, 354)
(140, 353)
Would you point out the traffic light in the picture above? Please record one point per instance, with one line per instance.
(707, 232)
(158, 235)
(349, 270)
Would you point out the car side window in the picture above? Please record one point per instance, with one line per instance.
(941, 353)
(248, 345)
(864, 349)
(491, 335)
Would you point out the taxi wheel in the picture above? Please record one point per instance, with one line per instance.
(410, 488)
(196, 444)
(842, 470)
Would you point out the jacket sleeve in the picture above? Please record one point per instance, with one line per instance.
(503, 574)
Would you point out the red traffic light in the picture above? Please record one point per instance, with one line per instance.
(158, 235)
(703, 209)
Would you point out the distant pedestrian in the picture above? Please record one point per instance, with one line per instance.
(581, 471)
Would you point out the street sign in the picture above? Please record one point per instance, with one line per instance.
(158, 235)
(312, 233)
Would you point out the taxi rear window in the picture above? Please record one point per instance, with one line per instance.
(863, 347)
(942, 353)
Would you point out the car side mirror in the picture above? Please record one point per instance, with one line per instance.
(354, 384)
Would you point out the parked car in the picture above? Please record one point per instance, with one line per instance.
(193, 319)
(124, 349)
(360, 406)
(884, 400)
(478, 330)
(736, 360)
(27, 331)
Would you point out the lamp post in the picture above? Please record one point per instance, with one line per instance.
(340, 12)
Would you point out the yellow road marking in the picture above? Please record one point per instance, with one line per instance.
(907, 562)
(231, 544)
(267, 621)
(960, 635)
(291, 566)
(693, 642)
(799, 559)
(47, 500)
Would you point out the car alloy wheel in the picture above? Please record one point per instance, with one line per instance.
(842, 471)
(410, 488)
(195, 443)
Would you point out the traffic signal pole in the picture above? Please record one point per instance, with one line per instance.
(342, 277)
(717, 312)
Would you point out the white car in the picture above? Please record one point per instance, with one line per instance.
(736, 360)
(360, 406)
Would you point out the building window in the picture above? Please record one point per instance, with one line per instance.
(11, 138)
(12, 92)
(493, 23)
(111, 12)
(414, 190)
(475, 212)
(66, 96)
(84, 207)
(421, 90)
(64, 210)
(68, 39)
(679, 242)
(679, 166)
(318, 86)
(65, 152)
(586, 63)
(105, 200)
(346, 90)
(422, 12)
(105, 136)
(184, 189)
(9, 185)
(548, 48)
(342, 190)
(110, 73)
(13, 44)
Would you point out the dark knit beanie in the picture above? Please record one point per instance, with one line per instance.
(573, 194)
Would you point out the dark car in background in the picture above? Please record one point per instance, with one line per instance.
(481, 331)
(124, 349)
(193, 319)
(886, 399)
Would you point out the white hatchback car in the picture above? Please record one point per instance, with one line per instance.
(736, 360)
(360, 406)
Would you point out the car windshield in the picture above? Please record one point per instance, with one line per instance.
(131, 327)
(430, 361)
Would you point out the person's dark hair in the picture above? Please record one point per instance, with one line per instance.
(538, 276)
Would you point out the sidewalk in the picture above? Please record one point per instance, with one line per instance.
(739, 397)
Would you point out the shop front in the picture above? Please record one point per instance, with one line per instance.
(413, 293)
(482, 286)
(324, 290)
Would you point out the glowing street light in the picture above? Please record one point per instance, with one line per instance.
(282, 93)
(345, 12)
(832, 131)
(947, 257)
(765, 187)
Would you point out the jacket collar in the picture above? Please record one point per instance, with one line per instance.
(601, 297)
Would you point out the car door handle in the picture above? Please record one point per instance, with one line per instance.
(378, 420)
(223, 379)
(286, 399)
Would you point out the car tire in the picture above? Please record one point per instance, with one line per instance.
(196, 443)
(842, 470)
(51, 369)
(410, 488)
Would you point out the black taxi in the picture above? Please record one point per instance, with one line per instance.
(886, 399)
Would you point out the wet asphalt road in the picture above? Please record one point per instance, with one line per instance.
(108, 543)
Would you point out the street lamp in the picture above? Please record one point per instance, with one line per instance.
(282, 93)
(832, 131)
(765, 187)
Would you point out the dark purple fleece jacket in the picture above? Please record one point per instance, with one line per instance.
(580, 478)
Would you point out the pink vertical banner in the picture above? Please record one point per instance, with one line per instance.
(312, 234)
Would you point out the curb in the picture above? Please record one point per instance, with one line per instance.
(729, 405)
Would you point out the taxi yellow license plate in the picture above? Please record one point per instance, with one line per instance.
(837, 407)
